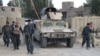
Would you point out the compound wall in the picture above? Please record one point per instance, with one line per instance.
(78, 23)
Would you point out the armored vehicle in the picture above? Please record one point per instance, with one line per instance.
(51, 28)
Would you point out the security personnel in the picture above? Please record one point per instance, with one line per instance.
(86, 36)
(12, 28)
(92, 35)
(29, 30)
(6, 33)
(16, 36)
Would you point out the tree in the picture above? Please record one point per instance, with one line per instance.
(95, 6)
(28, 10)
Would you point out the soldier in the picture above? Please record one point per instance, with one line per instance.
(29, 30)
(6, 31)
(92, 37)
(86, 36)
(16, 33)
(12, 28)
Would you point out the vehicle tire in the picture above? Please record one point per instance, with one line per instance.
(69, 42)
(43, 42)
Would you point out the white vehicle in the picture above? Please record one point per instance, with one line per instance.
(53, 30)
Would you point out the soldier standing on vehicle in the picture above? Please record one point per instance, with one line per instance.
(29, 31)
(16, 33)
(92, 36)
(86, 36)
(6, 30)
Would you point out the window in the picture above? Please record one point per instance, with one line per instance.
(79, 13)
(64, 14)
(3, 9)
(60, 24)
(12, 9)
(47, 24)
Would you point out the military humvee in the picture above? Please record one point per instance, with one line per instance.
(53, 30)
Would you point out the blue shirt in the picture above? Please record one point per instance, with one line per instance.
(29, 29)
(86, 31)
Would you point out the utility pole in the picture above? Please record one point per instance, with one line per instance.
(19, 3)
(49, 3)
(34, 8)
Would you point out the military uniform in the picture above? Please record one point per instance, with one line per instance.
(12, 36)
(6, 29)
(29, 30)
(86, 36)
(92, 34)
(92, 37)
(16, 39)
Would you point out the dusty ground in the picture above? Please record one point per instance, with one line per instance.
(50, 51)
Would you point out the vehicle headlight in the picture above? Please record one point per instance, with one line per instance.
(52, 35)
(66, 35)
(46, 34)
(72, 34)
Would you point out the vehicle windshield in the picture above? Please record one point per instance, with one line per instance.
(47, 24)
(60, 24)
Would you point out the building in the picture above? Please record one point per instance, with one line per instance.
(69, 11)
(67, 5)
(9, 13)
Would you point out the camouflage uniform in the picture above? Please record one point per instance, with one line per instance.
(16, 39)
(92, 34)
(92, 37)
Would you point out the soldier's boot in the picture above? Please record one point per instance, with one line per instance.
(93, 46)
(31, 52)
(88, 48)
(17, 48)
(7, 44)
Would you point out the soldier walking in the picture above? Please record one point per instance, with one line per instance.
(29, 30)
(86, 36)
(16, 33)
(6, 33)
(12, 28)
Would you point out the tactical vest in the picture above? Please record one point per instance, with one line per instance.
(16, 30)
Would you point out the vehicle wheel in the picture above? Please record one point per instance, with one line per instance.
(43, 42)
(69, 42)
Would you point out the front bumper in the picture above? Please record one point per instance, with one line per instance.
(60, 35)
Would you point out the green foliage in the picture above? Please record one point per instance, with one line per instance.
(95, 7)
(27, 9)
(39, 5)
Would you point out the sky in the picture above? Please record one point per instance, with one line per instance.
(58, 3)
